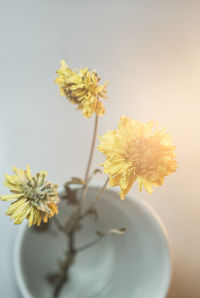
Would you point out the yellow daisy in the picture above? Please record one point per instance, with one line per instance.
(34, 198)
(82, 89)
(137, 151)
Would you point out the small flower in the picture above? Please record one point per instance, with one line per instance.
(135, 151)
(82, 89)
(35, 198)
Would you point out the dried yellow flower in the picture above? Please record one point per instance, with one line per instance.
(136, 151)
(35, 198)
(82, 89)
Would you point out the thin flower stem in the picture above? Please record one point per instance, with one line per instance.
(99, 193)
(87, 212)
(92, 148)
(85, 186)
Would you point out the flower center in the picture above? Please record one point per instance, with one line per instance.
(143, 152)
(35, 193)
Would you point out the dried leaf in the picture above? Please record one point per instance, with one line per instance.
(117, 231)
(112, 231)
(96, 171)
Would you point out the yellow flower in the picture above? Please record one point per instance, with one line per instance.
(82, 89)
(35, 198)
(137, 151)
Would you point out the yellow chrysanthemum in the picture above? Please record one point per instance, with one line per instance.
(82, 89)
(136, 151)
(35, 198)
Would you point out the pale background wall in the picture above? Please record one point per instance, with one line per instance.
(149, 52)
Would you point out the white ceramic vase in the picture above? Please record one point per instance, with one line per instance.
(134, 265)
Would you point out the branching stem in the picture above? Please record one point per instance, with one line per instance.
(62, 276)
